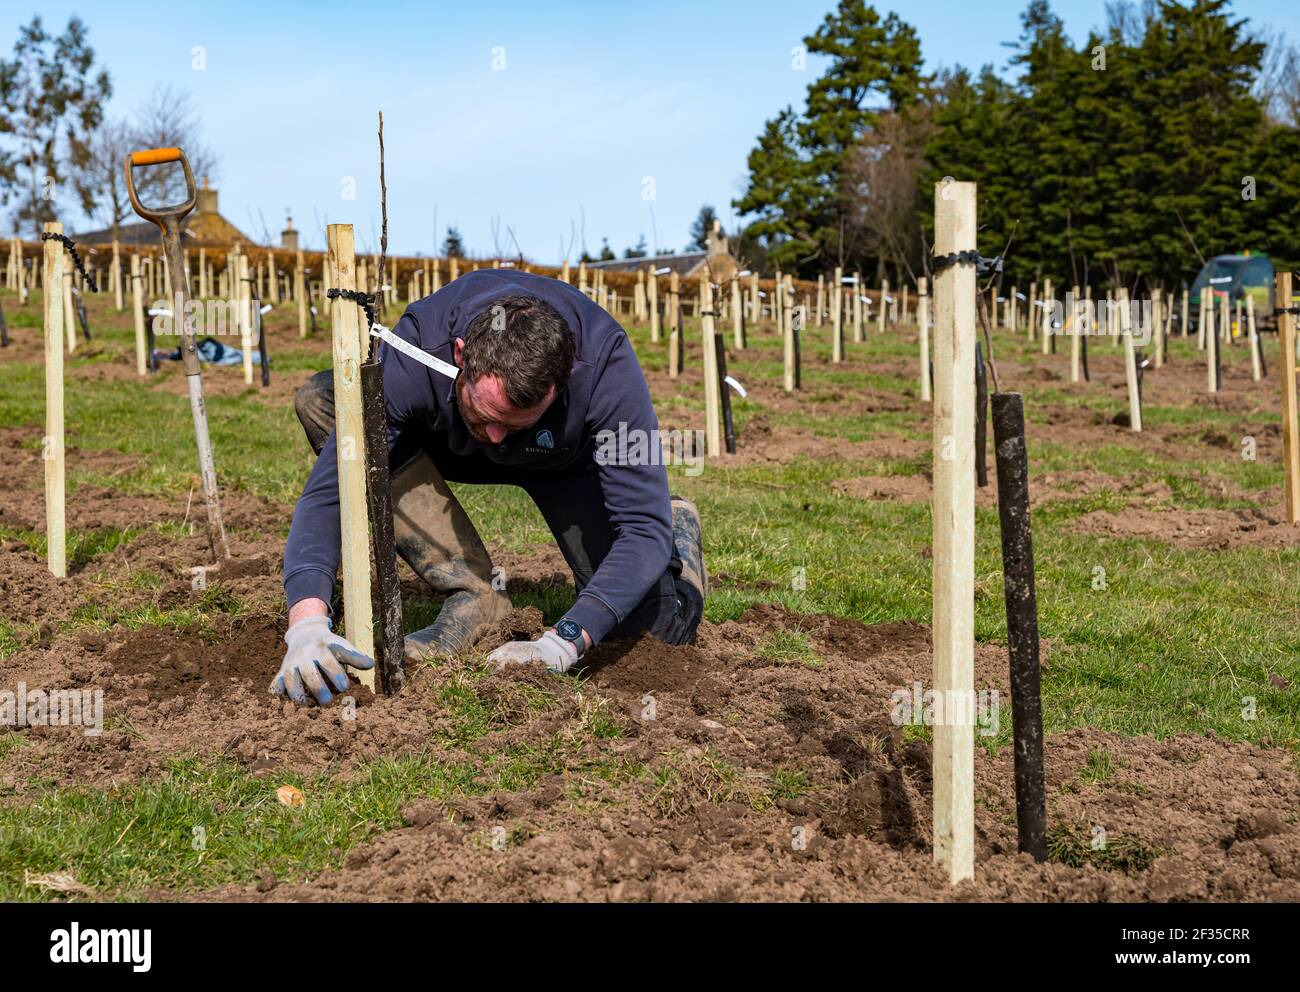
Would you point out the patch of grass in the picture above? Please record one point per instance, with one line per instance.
(1099, 769)
(1076, 845)
(683, 779)
(790, 647)
(790, 783)
(10, 640)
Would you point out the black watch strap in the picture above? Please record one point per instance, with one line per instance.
(571, 631)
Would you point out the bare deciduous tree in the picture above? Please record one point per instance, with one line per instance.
(168, 118)
(882, 178)
(1278, 83)
(99, 181)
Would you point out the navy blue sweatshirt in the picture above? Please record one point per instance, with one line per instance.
(606, 390)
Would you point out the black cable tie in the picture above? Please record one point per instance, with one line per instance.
(942, 262)
(71, 245)
(1294, 311)
(366, 302)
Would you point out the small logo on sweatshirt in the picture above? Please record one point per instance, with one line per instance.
(545, 439)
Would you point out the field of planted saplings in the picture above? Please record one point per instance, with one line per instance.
(1079, 536)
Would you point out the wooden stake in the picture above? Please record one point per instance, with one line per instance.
(821, 296)
(137, 309)
(1075, 331)
(787, 338)
(884, 306)
(923, 325)
(69, 314)
(1130, 364)
(55, 494)
(674, 323)
(712, 395)
(857, 307)
(837, 316)
(1158, 328)
(954, 533)
(1290, 437)
(671, 311)
(300, 294)
(244, 293)
(1200, 324)
(737, 316)
(652, 300)
(1049, 301)
(1211, 343)
(1256, 369)
(349, 431)
(115, 276)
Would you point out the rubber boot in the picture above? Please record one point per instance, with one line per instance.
(437, 539)
(688, 543)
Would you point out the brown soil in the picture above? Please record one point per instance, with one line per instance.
(736, 775)
(1214, 529)
(763, 444)
(1186, 818)
(1050, 487)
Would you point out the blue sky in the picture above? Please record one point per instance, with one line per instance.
(586, 102)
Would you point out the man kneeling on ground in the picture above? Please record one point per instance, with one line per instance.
(530, 372)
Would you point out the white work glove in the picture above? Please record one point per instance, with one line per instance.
(550, 649)
(314, 662)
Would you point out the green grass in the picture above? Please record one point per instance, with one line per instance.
(790, 647)
(207, 824)
(1178, 641)
(1075, 845)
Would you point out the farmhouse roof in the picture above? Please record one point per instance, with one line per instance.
(684, 264)
(204, 227)
(688, 264)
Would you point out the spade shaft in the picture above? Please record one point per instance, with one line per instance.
(168, 221)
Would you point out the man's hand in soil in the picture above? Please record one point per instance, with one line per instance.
(314, 661)
(550, 649)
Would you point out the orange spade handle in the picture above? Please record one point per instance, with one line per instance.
(156, 156)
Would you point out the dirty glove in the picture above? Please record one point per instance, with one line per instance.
(312, 662)
(550, 649)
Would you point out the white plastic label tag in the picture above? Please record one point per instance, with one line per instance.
(411, 351)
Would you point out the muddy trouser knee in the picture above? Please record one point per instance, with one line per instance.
(574, 509)
(314, 403)
(431, 530)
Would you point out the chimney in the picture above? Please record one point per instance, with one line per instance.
(716, 243)
(207, 199)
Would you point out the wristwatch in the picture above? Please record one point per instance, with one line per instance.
(571, 631)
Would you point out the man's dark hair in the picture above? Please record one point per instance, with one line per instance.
(523, 341)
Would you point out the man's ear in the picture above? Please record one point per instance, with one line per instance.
(457, 350)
